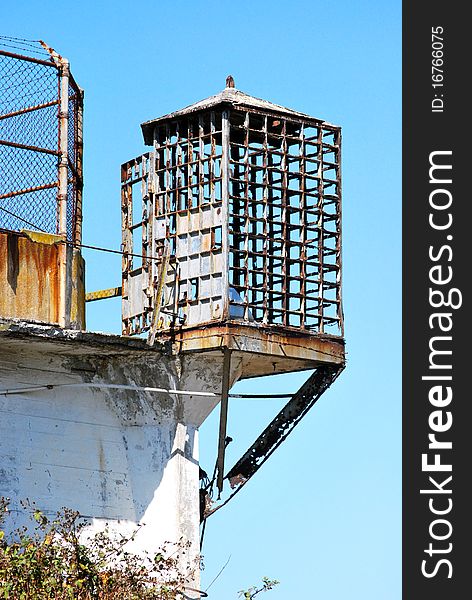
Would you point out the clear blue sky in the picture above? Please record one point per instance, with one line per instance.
(323, 515)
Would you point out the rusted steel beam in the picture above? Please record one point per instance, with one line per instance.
(339, 259)
(38, 61)
(283, 424)
(161, 279)
(297, 119)
(26, 147)
(220, 462)
(225, 183)
(30, 190)
(76, 178)
(62, 176)
(29, 109)
(285, 226)
(78, 166)
(102, 294)
(63, 146)
(277, 431)
(321, 237)
(75, 86)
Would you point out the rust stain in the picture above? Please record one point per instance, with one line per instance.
(41, 237)
(12, 262)
(271, 349)
(30, 278)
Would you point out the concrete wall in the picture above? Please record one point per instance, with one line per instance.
(117, 456)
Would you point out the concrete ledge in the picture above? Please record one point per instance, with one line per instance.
(12, 329)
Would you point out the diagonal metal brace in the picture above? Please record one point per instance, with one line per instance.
(278, 430)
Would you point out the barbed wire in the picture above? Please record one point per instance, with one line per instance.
(23, 44)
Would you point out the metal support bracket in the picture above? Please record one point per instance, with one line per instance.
(220, 463)
(278, 430)
(103, 294)
(161, 278)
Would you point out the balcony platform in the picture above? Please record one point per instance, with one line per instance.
(262, 349)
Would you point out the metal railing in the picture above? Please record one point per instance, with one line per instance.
(40, 141)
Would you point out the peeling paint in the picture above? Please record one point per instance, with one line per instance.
(32, 283)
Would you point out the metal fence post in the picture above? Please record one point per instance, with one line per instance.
(63, 180)
(79, 166)
(225, 183)
(63, 150)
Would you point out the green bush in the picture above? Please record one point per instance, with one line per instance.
(48, 560)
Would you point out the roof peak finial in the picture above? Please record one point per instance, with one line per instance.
(230, 81)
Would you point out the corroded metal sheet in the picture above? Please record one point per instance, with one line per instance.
(31, 279)
(169, 196)
(262, 350)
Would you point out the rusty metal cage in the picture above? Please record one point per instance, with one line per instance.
(40, 142)
(245, 198)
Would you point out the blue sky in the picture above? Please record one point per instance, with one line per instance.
(323, 515)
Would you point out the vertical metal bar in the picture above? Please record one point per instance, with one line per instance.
(169, 206)
(79, 165)
(127, 238)
(220, 463)
(63, 149)
(153, 187)
(339, 261)
(154, 324)
(303, 236)
(144, 215)
(271, 236)
(246, 212)
(211, 162)
(178, 170)
(235, 205)
(285, 229)
(62, 188)
(225, 177)
(320, 230)
(252, 242)
(201, 156)
(190, 163)
(266, 192)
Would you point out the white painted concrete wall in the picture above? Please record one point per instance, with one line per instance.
(117, 456)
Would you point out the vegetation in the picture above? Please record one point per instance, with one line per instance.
(50, 560)
(267, 584)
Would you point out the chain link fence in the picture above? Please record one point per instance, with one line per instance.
(39, 136)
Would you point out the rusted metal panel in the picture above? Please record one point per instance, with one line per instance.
(225, 385)
(168, 197)
(30, 279)
(229, 96)
(261, 350)
(157, 301)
